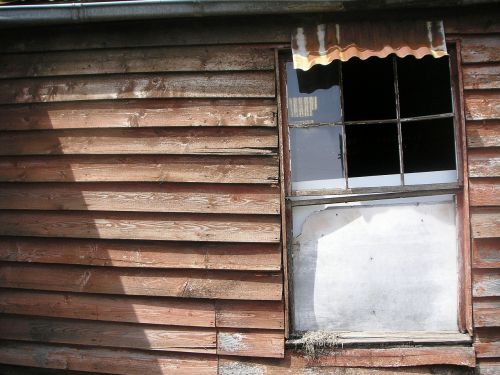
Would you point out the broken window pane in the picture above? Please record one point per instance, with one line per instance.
(372, 150)
(316, 157)
(428, 145)
(313, 96)
(376, 266)
(424, 86)
(368, 89)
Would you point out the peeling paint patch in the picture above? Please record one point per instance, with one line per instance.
(239, 368)
(231, 342)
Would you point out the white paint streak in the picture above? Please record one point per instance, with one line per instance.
(231, 342)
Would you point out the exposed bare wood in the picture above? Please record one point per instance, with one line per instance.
(486, 253)
(486, 283)
(146, 226)
(484, 191)
(150, 310)
(487, 343)
(168, 283)
(200, 198)
(486, 312)
(487, 367)
(102, 168)
(480, 49)
(482, 105)
(142, 254)
(259, 84)
(481, 76)
(140, 60)
(485, 223)
(250, 343)
(119, 335)
(254, 314)
(483, 134)
(139, 113)
(229, 141)
(127, 362)
(484, 163)
(199, 31)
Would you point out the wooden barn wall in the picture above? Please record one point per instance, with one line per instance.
(140, 202)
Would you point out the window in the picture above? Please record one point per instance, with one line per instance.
(372, 188)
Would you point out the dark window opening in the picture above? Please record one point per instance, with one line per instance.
(368, 89)
(372, 150)
(428, 145)
(424, 86)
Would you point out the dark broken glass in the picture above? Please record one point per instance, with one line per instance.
(368, 89)
(424, 86)
(316, 154)
(313, 96)
(428, 145)
(372, 150)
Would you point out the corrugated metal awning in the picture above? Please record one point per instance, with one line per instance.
(323, 43)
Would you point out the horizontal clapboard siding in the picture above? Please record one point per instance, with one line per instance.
(481, 72)
(139, 206)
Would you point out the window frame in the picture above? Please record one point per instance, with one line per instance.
(323, 196)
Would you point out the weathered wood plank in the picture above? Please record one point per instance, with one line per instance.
(481, 76)
(482, 105)
(148, 310)
(200, 198)
(485, 223)
(360, 361)
(486, 253)
(483, 134)
(251, 343)
(216, 140)
(482, 22)
(484, 163)
(199, 31)
(113, 361)
(139, 113)
(142, 254)
(486, 283)
(254, 314)
(486, 313)
(118, 335)
(164, 168)
(137, 226)
(484, 191)
(167, 283)
(136, 60)
(487, 342)
(481, 48)
(488, 367)
(23, 370)
(258, 84)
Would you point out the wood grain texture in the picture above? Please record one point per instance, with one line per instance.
(252, 314)
(112, 361)
(143, 197)
(476, 49)
(258, 84)
(107, 334)
(139, 113)
(183, 141)
(167, 283)
(486, 283)
(486, 313)
(481, 76)
(486, 253)
(484, 163)
(484, 191)
(488, 367)
(250, 343)
(483, 134)
(142, 254)
(175, 168)
(141, 60)
(487, 342)
(148, 310)
(145, 226)
(483, 105)
(485, 223)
